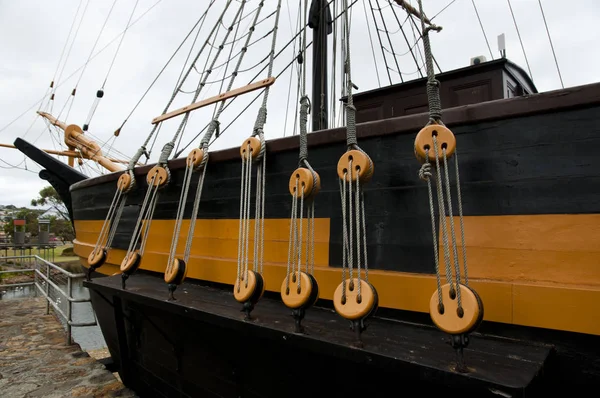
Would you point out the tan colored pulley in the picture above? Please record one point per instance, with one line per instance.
(294, 297)
(451, 320)
(194, 158)
(131, 262)
(243, 291)
(124, 182)
(307, 182)
(354, 307)
(176, 272)
(162, 176)
(445, 139)
(362, 166)
(97, 257)
(254, 149)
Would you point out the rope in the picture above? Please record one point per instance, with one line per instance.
(520, 40)
(551, 45)
(168, 148)
(425, 175)
(350, 108)
(442, 210)
(482, 30)
(200, 21)
(261, 118)
(433, 85)
(214, 124)
(120, 42)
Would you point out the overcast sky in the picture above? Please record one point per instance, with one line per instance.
(33, 35)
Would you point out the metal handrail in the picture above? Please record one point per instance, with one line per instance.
(40, 262)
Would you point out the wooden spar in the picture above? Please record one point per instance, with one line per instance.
(71, 154)
(216, 98)
(412, 10)
(74, 138)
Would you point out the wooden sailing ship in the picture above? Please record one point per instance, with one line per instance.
(237, 272)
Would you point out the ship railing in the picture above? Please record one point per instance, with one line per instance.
(43, 273)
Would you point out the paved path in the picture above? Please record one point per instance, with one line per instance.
(36, 362)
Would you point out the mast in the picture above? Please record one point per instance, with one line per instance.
(319, 19)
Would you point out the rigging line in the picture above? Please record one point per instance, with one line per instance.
(235, 56)
(442, 10)
(482, 30)
(301, 71)
(389, 39)
(551, 45)
(253, 101)
(96, 42)
(35, 118)
(221, 106)
(15, 167)
(235, 35)
(414, 24)
(71, 46)
(294, 56)
(520, 41)
(404, 53)
(380, 43)
(170, 145)
(78, 69)
(63, 50)
(246, 34)
(258, 74)
(67, 41)
(371, 41)
(120, 41)
(191, 47)
(203, 17)
(243, 110)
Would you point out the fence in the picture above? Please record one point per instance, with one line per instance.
(43, 274)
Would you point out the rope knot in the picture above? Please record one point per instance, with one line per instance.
(425, 171)
(141, 151)
(165, 153)
(261, 119)
(214, 125)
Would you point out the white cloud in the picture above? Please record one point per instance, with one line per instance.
(32, 36)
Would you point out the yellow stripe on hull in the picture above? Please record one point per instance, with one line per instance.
(538, 271)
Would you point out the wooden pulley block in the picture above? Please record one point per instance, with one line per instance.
(131, 262)
(250, 147)
(162, 176)
(124, 182)
(176, 272)
(97, 257)
(451, 320)
(251, 291)
(194, 158)
(354, 307)
(362, 166)
(445, 139)
(303, 297)
(307, 182)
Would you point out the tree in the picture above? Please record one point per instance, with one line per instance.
(62, 229)
(31, 222)
(49, 196)
(60, 226)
